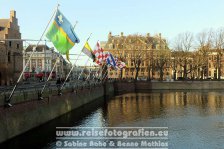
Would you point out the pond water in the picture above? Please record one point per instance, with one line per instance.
(194, 119)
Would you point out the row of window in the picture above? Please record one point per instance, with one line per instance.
(10, 45)
(153, 46)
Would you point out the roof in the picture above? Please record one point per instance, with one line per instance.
(4, 22)
(3, 25)
(130, 39)
(38, 49)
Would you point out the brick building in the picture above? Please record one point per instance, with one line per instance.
(10, 50)
(132, 48)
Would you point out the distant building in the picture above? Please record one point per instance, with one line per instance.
(42, 62)
(215, 60)
(10, 50)
(90, 72)
(128, 48)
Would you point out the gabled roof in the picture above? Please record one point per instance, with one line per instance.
(3, 25)
(4, 22)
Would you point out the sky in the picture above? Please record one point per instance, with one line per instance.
(99, 17)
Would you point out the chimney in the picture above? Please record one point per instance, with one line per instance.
(12, 14)
(109, 35)
(160, 35)
(148, 35)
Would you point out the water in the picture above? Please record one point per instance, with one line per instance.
(194, 119)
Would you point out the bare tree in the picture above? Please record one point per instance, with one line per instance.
(218, 43)
(140, 53)
(204, 42)
(162, 61)
(183, 47)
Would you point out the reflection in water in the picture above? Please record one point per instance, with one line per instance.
(194, 119)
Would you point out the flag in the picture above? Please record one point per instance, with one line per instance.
(61, 34)
(67, 56)
(111, 60)
(100, 55)
(119, 64)
(88, 51)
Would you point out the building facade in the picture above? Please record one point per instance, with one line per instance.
(11, 47)
(215, 64)
(42, 62)
(134, 49)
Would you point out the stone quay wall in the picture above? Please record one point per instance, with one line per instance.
(28, 112)
(124, 87)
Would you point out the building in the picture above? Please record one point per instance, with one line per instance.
(42, 62)
(134, 50)
(11, 47)
(215, 64)
(89, 72)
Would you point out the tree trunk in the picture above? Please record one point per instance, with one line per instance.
(174, 74)
(161, 74)
(149, 78)
(219, 67)
(136, 75)
(137, 69)
(121, 76)
(185, 71)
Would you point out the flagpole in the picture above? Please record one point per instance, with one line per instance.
(7, 102)
(83, 69)
(72, 66)
(41, 93)
(95, 75)
(89, 74)
(104, 76)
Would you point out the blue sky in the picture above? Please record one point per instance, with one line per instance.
(169, 17)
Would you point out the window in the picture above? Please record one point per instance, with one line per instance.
(9, 57)
(40, 63)
(26, 61)
(33, 63)
(10, 43)
(154, 46)
(132, 63)
(17, 46)
(209, 65)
